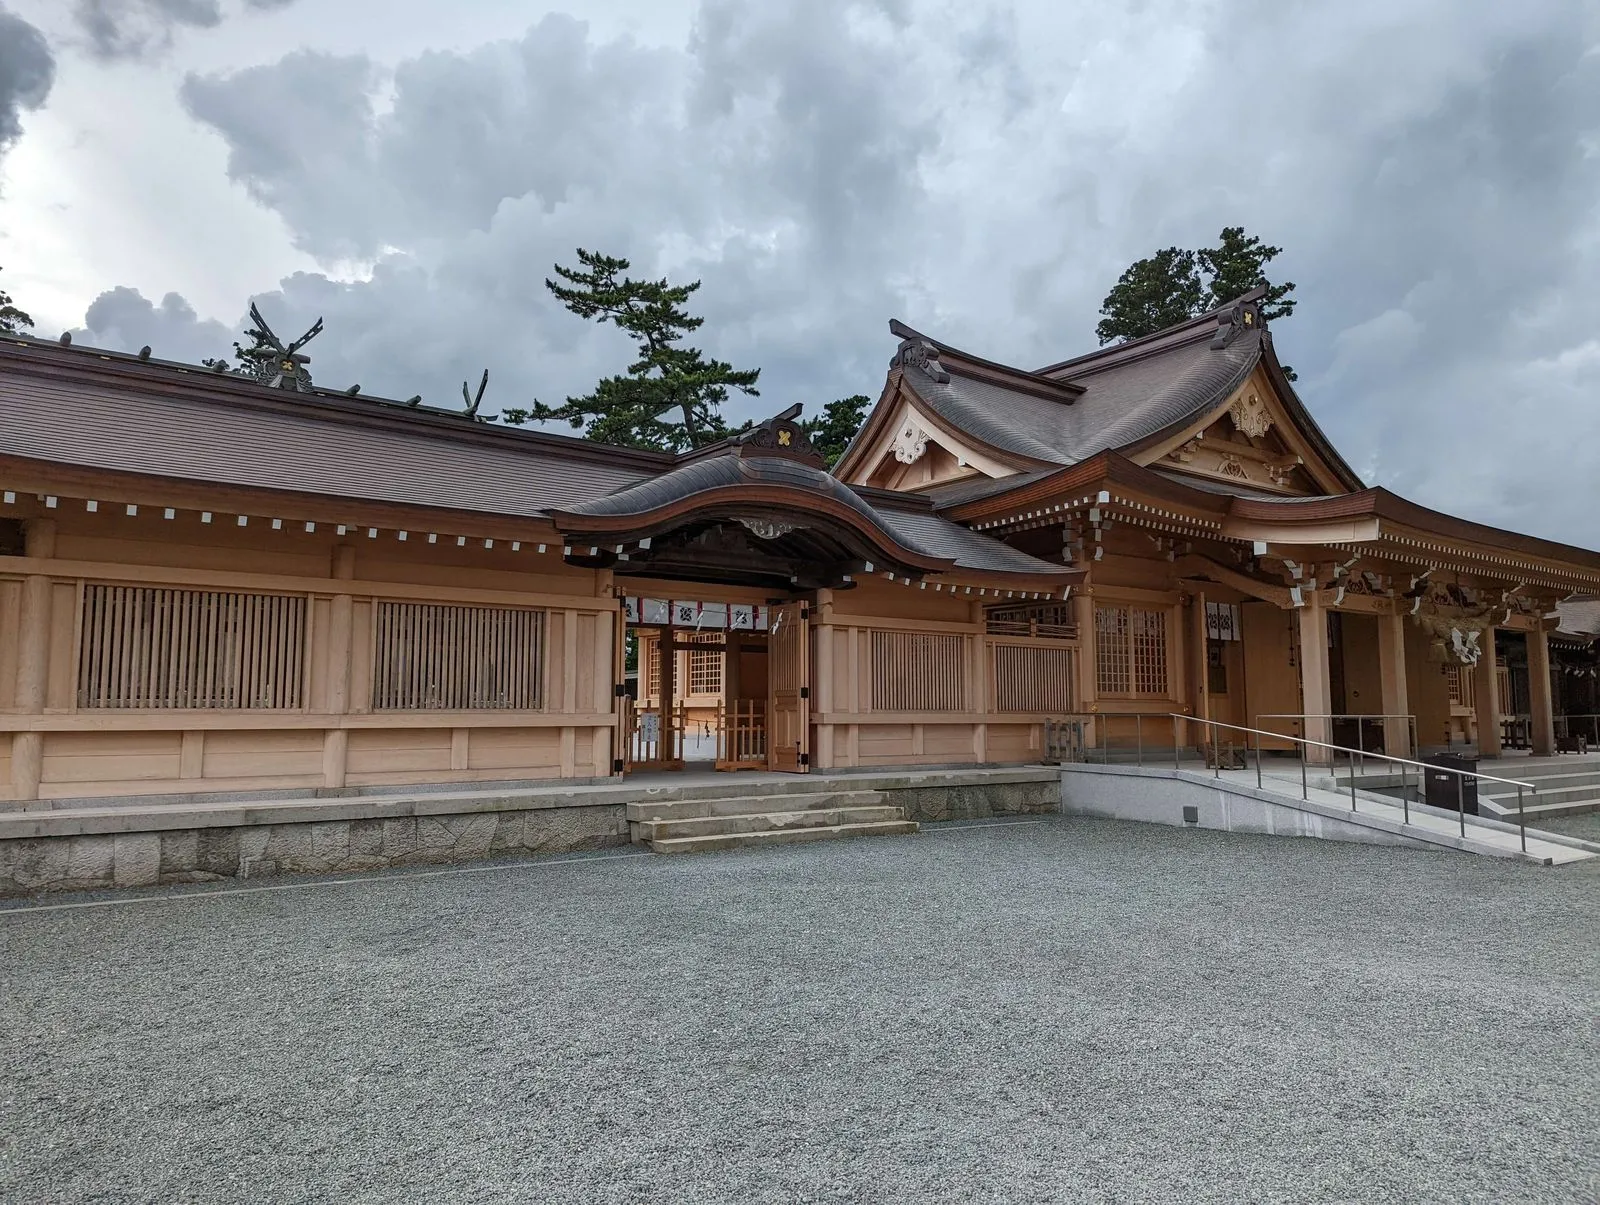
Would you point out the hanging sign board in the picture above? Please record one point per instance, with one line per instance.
(1222, 621)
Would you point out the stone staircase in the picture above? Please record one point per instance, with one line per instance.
(1564, 789)
(699, 825)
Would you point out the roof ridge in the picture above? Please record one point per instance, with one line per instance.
(223, 388)
(1143, 343)
(1036, 382)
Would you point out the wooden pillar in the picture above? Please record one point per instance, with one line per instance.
(1392, 679)
(1486, 692)
(1539, 700)
(33, 660)
(1198, 654)
(336, 740)
(1316, 693)
(1088, 680)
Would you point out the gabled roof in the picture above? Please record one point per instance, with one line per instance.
(1120, 398)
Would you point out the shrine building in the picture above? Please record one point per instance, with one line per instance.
(212, 583)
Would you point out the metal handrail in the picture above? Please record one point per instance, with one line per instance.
(1305, 744)
(1411, 725)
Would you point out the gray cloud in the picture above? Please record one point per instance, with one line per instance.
(125, 29)
(984, 171)
(125, 318)
(27, 69)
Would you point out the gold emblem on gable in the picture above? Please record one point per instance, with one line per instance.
(785, 437)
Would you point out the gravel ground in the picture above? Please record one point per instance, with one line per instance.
(1584, 825)
(1062, 1009)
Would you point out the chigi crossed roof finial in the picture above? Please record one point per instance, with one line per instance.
(287, 369)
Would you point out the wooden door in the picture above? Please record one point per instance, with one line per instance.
(789, 688)
(1271, 675)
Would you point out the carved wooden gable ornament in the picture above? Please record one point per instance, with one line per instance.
(781, 436)
(1250, 415)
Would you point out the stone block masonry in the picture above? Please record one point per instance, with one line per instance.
(138, 844)
(92, 861)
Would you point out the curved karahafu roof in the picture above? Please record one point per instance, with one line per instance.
(800, 511)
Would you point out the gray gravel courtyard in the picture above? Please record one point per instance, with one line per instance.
(1054, 1010)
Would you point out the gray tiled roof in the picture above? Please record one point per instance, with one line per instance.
(937, 536)
(1125, 399)
(1580, 617)
(237, 433)
(919, 530)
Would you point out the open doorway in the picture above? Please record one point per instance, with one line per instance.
(701, 692)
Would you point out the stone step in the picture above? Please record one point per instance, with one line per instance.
(1549, 782)
(748, 805)
(1502, 809)
(782, 836)
(1507, 797)
(703, 826)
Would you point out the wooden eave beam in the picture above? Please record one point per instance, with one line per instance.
(45, 478)
(1196, 566)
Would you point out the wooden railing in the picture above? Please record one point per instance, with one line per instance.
(742, 735)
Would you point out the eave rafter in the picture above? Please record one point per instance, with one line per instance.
(1419, 551)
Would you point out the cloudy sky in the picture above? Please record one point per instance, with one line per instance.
(983, 170)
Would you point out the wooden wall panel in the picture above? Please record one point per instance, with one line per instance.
(379, 751)
(1427, 690)
(59, 681)
(947, 742)
(255, 754)
(110, 757)
(320, 636)
(1013, 743)
(1363, 677)
(10, 630)
(1272, 685)
(361, 638)
(248, 551)
(531, 752)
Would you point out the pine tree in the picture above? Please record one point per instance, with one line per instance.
(1175, 285)
(1237, 265)
(1151, 295)
(13, 321)
(670, 397)
(832, 430)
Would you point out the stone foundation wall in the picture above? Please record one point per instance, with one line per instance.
(976, 801)
(200, 855)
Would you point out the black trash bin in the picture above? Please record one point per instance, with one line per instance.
(1445, 790)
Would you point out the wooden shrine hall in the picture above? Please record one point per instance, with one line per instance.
(216, 583)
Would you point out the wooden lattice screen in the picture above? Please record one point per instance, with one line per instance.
(705, 665)
(915, 671)
(1029, 678)
(145, 646)
(1131, 651)
(432, 657)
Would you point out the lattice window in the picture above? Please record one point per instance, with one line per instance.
(457, 658)
(1111, 650)
(1131, 652)
(705, 665)
(915, 671)
(145, 646)
(1035, 679)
